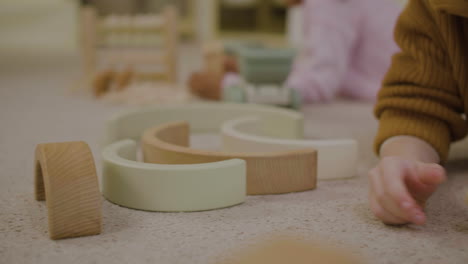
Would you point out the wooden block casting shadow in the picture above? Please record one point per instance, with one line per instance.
(267, 172)
(65, 176)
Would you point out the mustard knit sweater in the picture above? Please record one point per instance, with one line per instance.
(425, 92)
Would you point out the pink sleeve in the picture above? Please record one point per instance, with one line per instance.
(331, 28)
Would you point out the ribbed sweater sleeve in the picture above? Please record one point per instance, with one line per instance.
(419, 96)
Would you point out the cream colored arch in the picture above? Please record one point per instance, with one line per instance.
(337, 158)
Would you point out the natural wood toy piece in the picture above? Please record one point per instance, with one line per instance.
(337, 158)
(267, 172)
(206, 85)
(293, 251)
(171, 188)
(123, 79)
(65, 176)
(107, 80)
(102, 82)
(136, 45)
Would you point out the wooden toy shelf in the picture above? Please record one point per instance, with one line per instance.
(129, 41)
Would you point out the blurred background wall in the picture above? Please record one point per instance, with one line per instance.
(52, 25)
(38, 26)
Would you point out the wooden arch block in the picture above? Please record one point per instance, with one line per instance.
(65, 176)
(267, 172)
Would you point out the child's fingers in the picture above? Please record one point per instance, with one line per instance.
(381, 213)
(431, 174)
(424, 180)
(397, 198)
(379, 201)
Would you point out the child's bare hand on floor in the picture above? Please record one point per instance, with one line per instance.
(403, 180)
(399, 189)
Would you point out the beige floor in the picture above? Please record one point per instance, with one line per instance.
(37, 106)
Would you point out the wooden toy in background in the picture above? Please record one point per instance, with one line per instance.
(260, 74)
(206, 83)
(123, 41)
(108, 80)
(294, 251)
(65, 176)
(271, 172)
(102, 82)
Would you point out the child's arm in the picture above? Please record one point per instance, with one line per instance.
(403, 180)
(419, 98)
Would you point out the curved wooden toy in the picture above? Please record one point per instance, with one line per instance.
(267, 173)
(336, 158)
(204, 118)
(65, 174)
(158, 187)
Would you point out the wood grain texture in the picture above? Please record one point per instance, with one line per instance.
(65, 176)
(267, 172)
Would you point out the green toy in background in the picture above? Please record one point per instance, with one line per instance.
(246, 72)
(262, 74)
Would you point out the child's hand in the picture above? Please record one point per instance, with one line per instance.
(399, 188)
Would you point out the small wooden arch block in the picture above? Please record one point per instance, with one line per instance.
(267, 172)
(65, 176)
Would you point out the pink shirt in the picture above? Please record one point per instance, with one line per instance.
(347, 48)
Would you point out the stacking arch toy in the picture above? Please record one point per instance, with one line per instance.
(171, 188)
(267, 172)
(337, 158)
(141, 186)
(65, 176)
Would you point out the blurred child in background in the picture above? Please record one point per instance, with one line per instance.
(347, 48)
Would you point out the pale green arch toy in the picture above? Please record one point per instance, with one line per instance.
(171, 188)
